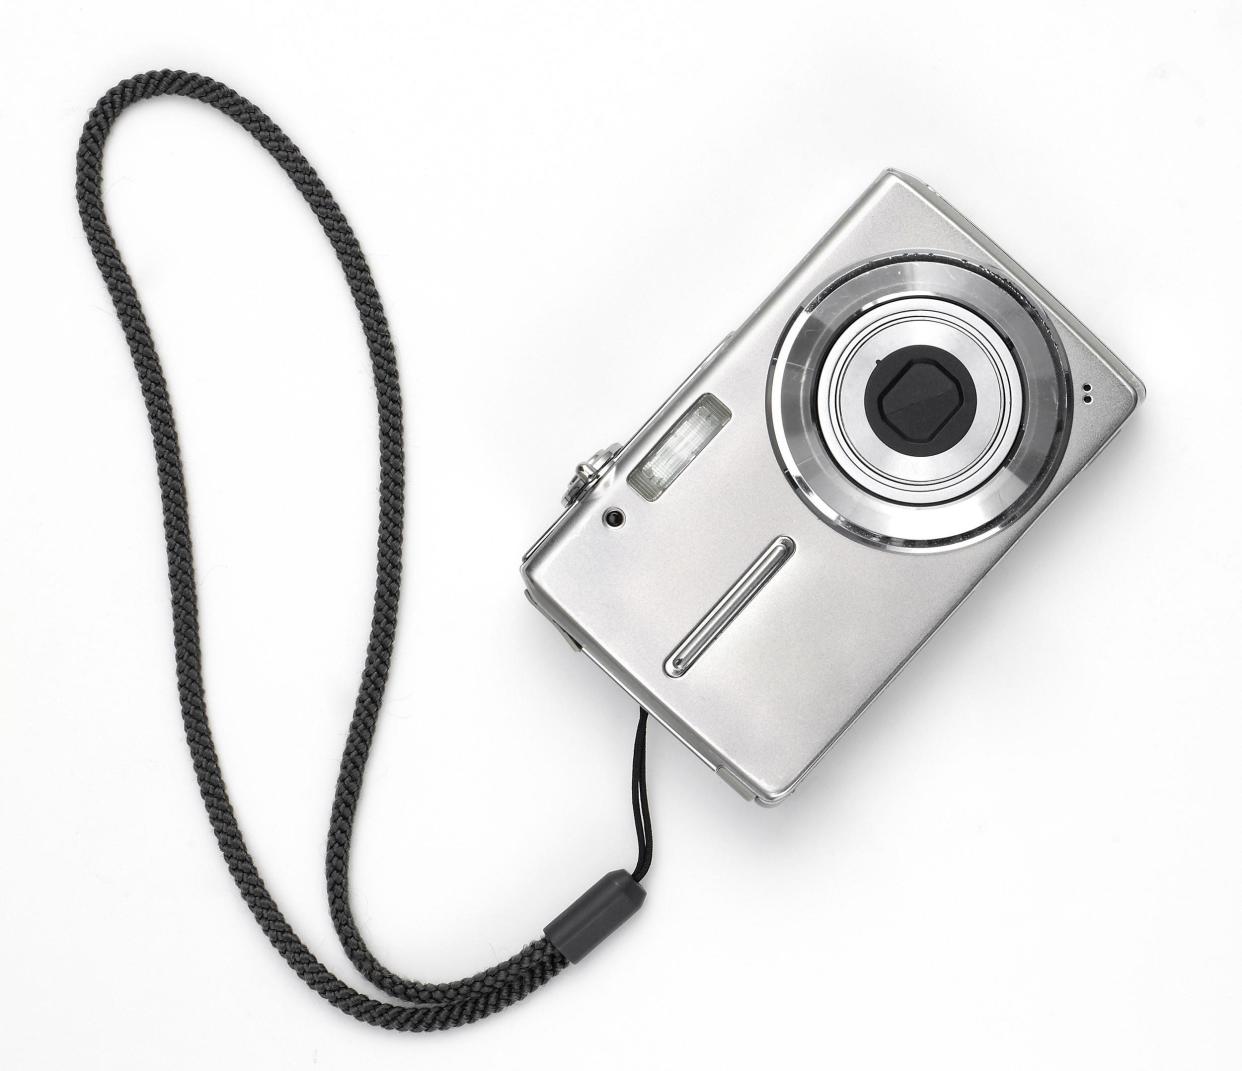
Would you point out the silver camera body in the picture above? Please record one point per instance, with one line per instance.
(775, 543)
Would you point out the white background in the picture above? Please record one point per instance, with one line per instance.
(1026, 855)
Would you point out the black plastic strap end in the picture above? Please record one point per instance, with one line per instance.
(595, 915)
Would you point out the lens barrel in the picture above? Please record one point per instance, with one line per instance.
(919, 401)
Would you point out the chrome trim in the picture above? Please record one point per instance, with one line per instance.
(717, 619)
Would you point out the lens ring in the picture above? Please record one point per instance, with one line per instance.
(878, 466)
(890, 499)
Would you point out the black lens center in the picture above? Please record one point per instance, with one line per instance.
(920, 400)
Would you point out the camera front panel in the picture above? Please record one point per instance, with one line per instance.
(824, 490)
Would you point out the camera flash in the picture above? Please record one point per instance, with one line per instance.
(670, 457)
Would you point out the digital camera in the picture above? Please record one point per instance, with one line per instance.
(774, 544)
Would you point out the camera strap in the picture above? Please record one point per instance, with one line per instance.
(416, 1006)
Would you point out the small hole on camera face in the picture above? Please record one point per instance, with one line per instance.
(614, 518)
(1086, 399)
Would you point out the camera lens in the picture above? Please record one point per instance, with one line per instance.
(920, 400)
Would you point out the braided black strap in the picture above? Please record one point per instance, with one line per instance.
(431, 1006)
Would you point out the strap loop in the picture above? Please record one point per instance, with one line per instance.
(430, 1006)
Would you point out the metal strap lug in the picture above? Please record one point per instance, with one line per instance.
(588, 473)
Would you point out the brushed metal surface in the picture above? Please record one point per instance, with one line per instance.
(841, 617)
